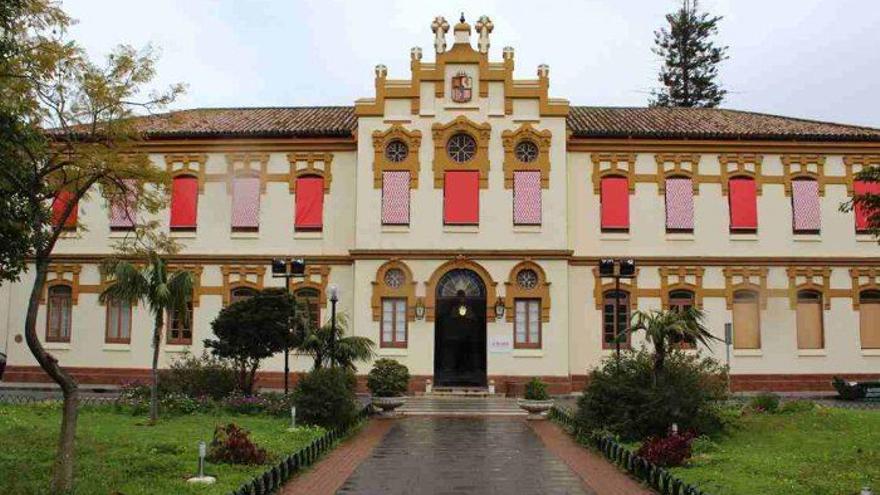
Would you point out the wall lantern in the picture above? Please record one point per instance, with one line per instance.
(499, 307)
(420, 308)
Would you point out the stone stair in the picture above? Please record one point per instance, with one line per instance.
(459, 405)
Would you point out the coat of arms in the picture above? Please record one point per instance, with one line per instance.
(462, 88)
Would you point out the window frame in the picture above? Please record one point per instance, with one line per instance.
(234, 299)
(618, 180)
(746, 296)
(447, 192)
(736, 179)
(313, 301)
(111, 306)
(51, 301)
(794, 229)
(530, 303)
(408, 197)
(172, 317)
(234, 184)
(394, 342)
(301, 182)
(812, 297)
(625, 302)
(195, 225)
(675, 230)
(540, 193)
(869, 297)
(676, 303)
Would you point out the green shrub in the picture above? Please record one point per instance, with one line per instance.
(388, 378)
(536, 390)
(232, 445)
(197, 376)
(764, 402)
(325, 397)
(796, 406)
(623, 398)
(179, 404)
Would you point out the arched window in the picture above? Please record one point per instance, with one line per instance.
(308, 299)
(180, 326)
(746, 320)
(620, 301)
(680, 300)
(810, 332)
(58, 311)
(869, 319)
(241, 294)
(118, 322)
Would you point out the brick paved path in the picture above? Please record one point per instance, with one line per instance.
(443, 455)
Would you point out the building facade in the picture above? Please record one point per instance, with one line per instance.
(462, 213)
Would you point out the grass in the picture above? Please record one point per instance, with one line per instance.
(824, 451)
(119, 454)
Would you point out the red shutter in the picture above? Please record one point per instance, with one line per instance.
(743, 204)
(184, 202)
(461, 198)
(862, 217)
(309, 203)
(615, 203)
(59, 204)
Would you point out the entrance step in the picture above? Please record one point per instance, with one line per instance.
(428, 405)
(459, 392)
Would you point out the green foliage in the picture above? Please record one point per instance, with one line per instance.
(536, 390)
(624, 396)
(797, 406)
(232, 445)
(388, 378)
(251, 330)
(664, 330)
(325, 397)
(690, 59)
(328, 347)
(867, 202)
(764, 402)
(198, 376)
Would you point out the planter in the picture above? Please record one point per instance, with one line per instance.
(537, 409)
(388, 405)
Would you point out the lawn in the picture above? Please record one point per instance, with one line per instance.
(119, 454)
(821, 452)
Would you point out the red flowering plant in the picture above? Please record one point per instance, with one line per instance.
(232, 445)
(671, 450)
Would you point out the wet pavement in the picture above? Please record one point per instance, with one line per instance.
(475, 455)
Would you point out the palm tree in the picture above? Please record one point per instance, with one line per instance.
(666, 328)
(160, 292)
(323, 345)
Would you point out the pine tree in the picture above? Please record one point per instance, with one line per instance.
(691, 59)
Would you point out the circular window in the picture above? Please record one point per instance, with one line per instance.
(394, 278)
(396, 151)
(527, 279)
(461, 148)
(526, 151)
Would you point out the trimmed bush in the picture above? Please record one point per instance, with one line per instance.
(796, 406)
(232, 445)
(536, 390)
(764, 402)
(197, 376)
(668, 451)
(325, 397)
(388, 378)
(623, 398)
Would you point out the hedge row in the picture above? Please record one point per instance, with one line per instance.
(654, 476)
(274, 478)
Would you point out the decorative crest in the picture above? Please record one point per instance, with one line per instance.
(484, 27)
(440, 27)
(462, 88)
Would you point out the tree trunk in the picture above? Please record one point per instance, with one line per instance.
(154, 371)
(62, 476)
(253, 377)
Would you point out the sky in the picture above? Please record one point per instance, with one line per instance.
(816, 59)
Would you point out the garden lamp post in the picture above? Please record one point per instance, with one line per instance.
(334, 298)
(617, 269)
(288, 269)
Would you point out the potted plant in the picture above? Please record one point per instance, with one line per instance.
(536, 401)
(388, 382)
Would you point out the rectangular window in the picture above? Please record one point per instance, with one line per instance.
(869, 323)
(743, 205)
(394, 331)
(246, 204)
(527, 198)
(180, 326)
(527, 324)
(806, 214)
(58, 311)
(809, 322)
(461, 198)
(615, 204)
(863, 223)
(118, 322)
(309, 203)
(609, 333)
(395, 198)
(679, 205)
(184, 202)
(59, 205)
(746, 321)
(122, 213)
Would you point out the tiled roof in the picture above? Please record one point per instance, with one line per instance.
(584, 122)
(251, 122)
(706, 123)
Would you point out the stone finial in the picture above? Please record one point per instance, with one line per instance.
(415, 53)
(381, 71)
(484, 27)
(439, 27)
(543, 71)
(507, 53)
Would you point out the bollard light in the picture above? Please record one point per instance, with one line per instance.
(867, 491)
(293, 416)
(203, 451)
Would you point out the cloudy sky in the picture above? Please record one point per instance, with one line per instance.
(816, 59)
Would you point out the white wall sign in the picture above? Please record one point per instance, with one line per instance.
(500, 344)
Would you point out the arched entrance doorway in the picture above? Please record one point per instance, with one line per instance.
(460, 330)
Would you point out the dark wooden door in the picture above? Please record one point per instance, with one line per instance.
(460, 342)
